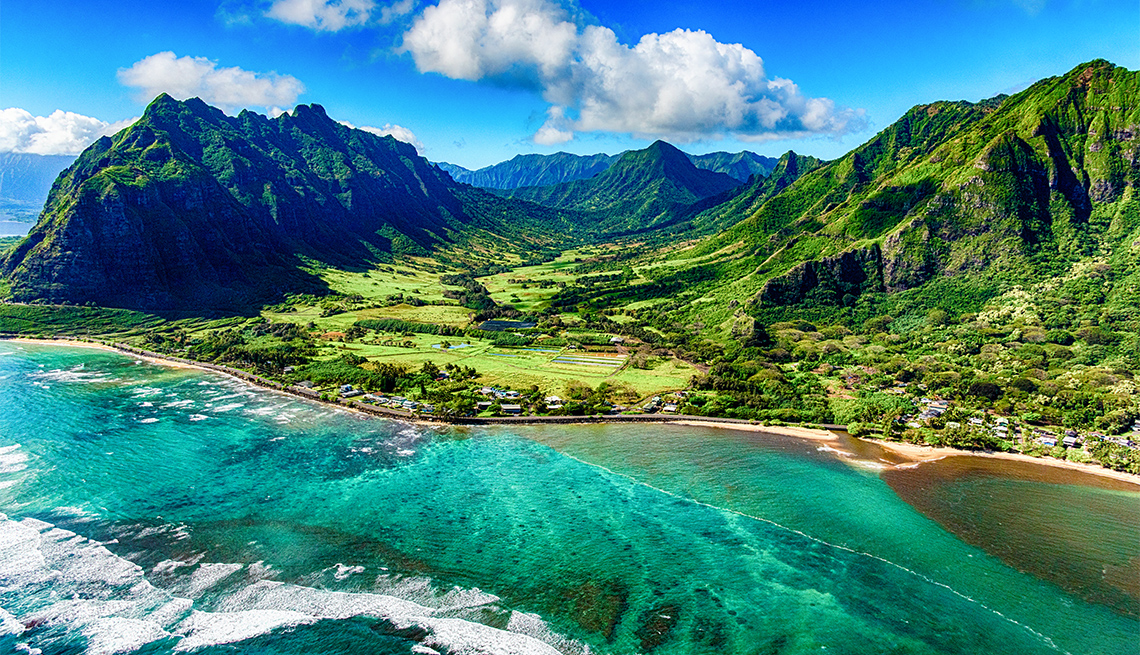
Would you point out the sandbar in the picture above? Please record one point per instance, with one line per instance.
(917, 453)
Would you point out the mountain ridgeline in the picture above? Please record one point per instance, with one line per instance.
(545, 170)
(190, 209)
(643, 190)
(532, 170)
(955, 201)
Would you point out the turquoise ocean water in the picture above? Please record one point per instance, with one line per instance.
(150, 509)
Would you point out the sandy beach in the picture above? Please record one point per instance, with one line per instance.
(912, 453)
(916, 453)
(784, 430)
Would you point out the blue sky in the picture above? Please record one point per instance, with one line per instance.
(475, 82)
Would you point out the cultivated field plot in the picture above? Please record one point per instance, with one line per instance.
(551, 369)
(573, 358)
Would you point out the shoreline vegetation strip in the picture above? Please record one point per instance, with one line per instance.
(913, 452)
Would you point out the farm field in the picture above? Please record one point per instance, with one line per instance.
(550, 369)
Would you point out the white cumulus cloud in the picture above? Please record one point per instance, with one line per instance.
(59, 133)
(322, 15)
(230, 88)
(683, 85)
(397, 132)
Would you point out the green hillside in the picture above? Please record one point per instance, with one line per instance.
(191, 209)
(643, 190)
(988, 195)
(738, 165)
(532, 170)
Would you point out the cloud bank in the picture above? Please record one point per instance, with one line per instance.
(230, 88)
(683, 85)
(60, 133)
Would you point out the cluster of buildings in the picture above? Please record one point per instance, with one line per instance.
(1000, 427)
(381, 400)
(666, 405)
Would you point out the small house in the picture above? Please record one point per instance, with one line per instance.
(512, 409)
(483, 405)
(669, 408)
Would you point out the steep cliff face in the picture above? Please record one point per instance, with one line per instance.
(1012, 188)
(192, 209)
(831, 281)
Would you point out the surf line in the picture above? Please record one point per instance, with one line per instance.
(848, 549)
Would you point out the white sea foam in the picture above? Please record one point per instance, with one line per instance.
(12, 460)
(179, 403)
(148, 420)
(146, 404)
(67, 580)
(198, 417)
(74, 375)
(106, 636)
(213, 628)
(9, 625)
(343, 571)
(147, 392)
(829, 449)
(230, 396)
(170, 566)
(205, 577)
(228, 408)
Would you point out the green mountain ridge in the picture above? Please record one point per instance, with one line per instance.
(545, 170)
(639, 192)
(738, 165)
(1016, 187)
(532, 170)
(191, 209)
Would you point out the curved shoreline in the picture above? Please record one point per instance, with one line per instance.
(917, 454)
(913, 453)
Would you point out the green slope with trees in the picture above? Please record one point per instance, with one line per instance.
(643, 190)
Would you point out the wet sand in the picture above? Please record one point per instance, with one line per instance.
(910, 455)
(915, 454)
(783, 430)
